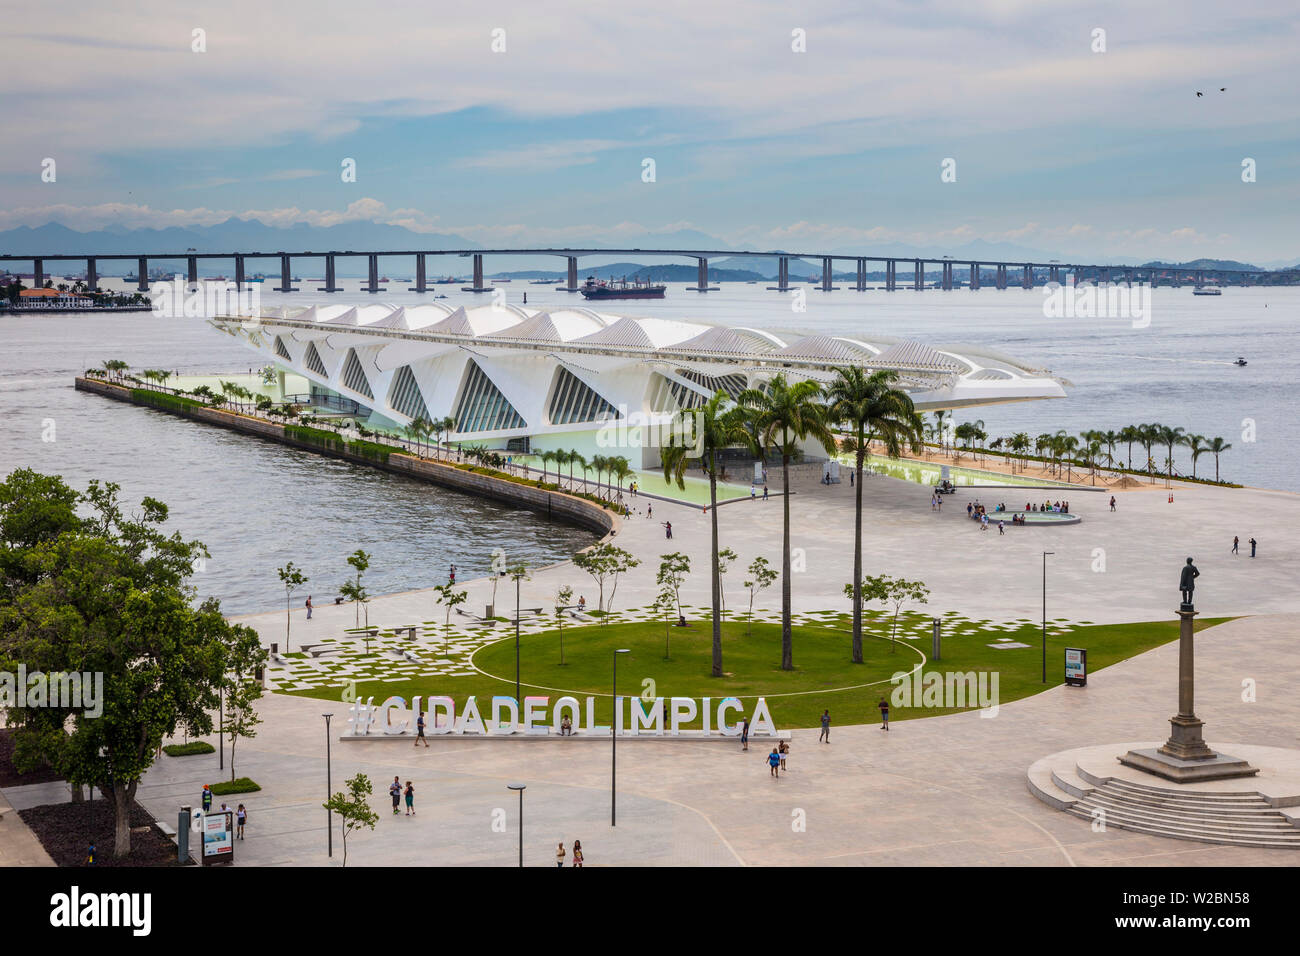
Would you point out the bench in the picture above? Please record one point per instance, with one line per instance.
(410, 630)
(359, 631)
(316, 650)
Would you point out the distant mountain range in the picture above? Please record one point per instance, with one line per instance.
(251, 235)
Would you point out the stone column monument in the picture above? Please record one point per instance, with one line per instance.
(1185, 757)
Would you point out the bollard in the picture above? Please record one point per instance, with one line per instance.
(183, 835)
(935, 647)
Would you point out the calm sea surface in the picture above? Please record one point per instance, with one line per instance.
(257, 505)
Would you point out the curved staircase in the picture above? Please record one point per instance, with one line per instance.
(1230, 817)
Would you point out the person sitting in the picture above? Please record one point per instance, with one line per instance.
(566, 727)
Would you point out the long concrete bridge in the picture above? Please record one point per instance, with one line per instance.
(979, 272)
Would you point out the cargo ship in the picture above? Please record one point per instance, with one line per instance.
(595, 288)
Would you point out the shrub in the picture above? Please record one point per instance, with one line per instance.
(239, 785)
(189, 749)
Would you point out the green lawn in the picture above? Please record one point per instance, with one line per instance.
(824, 676)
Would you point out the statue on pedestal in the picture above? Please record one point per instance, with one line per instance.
(1187, 583)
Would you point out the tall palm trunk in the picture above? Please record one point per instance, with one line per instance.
(717, 575)
(857, 560)
(787, 648)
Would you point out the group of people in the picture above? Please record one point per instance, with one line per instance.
(1060, 507)
(753, 492)
(396, 791)
(241, 814)
(577, 854)
(1236, 545)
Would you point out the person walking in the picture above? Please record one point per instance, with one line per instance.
(649, 510)
(851, 474)
(826, 727)
(419, 731)
(784, 750)
(1112, 502)
(1236, 542)
(1252, 547)
(744, 735)
(241, 817)
(309, 607)
(774, 762)
(395, 791)
(577, 854)
(207, 798)
(560, 855)
(1001, 529)
(668, 530)
(765, 489)
(884, 713)
(409, 793)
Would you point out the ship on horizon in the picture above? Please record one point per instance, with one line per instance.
(595, 288)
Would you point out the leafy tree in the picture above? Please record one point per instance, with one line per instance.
(242, 689)
(605, 562)
(353, 591)
(725, 557)
(895, 591)
(665, 603)
(110, 595)
(761, 576)
(353, 808)
(292, 578)
(563, 598)
(673, 569)
(449, 598)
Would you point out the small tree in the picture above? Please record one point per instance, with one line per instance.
(563, 598)
(605, 562)
(292, 578)
(355, 592)
(673, 569)
(761, 576)
(449, 597)
(895, 591)
(665, 603)
(725, 557)
(353, 810)
(242, 689)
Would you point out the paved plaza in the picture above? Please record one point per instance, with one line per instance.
(943, 790)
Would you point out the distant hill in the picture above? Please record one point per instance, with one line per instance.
(1201, 264)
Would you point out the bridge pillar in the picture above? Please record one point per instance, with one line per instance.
(1001, 281)
(918, 278)
(1027, 277)
(239, 273)
(372, 271)
(782, 275)
(421, 281)
(330, 284)
(38, 272)
(142, 274)
(974, 276)
(1200, 279)
(191, 272)
(827, 273)
(1128, 278)
(862, 275)
(702, 275)
(286, 274)
(92, 278)
(891, 276)
(477, 283)
(1177, 280)
(572, 285)
(947, 276)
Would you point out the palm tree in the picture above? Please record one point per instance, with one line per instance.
(873, 409)
(1041, 444)
(1148, 435)
(1067, 446)
(938, 426)
(1020, 443)
(1169, 437)
(586, 466)
(619, 469)
(1196, 445)
(716, 427)
(561, 459)
(598, 464)
(784, 415)
(1217, 447)
(547, 457)
(574, 458)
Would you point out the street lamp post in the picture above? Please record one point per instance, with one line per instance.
(518, 700)
(521, 787)
(1045, 554)
(329, 786)
(613, 746)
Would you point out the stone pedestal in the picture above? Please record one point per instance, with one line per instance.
(1185, 757)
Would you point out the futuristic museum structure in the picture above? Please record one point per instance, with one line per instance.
(528, 380)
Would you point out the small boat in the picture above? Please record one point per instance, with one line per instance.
(499, 281)
(1240, 361)
(545, 281)
(1209, 288)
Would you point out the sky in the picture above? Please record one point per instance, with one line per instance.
(770, 124)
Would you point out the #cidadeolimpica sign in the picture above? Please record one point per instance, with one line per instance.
(633, 717)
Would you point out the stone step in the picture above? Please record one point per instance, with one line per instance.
(1042, 786)
(1280, 841)
(1242, 810)
(1227, 796)
(1246, 824)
